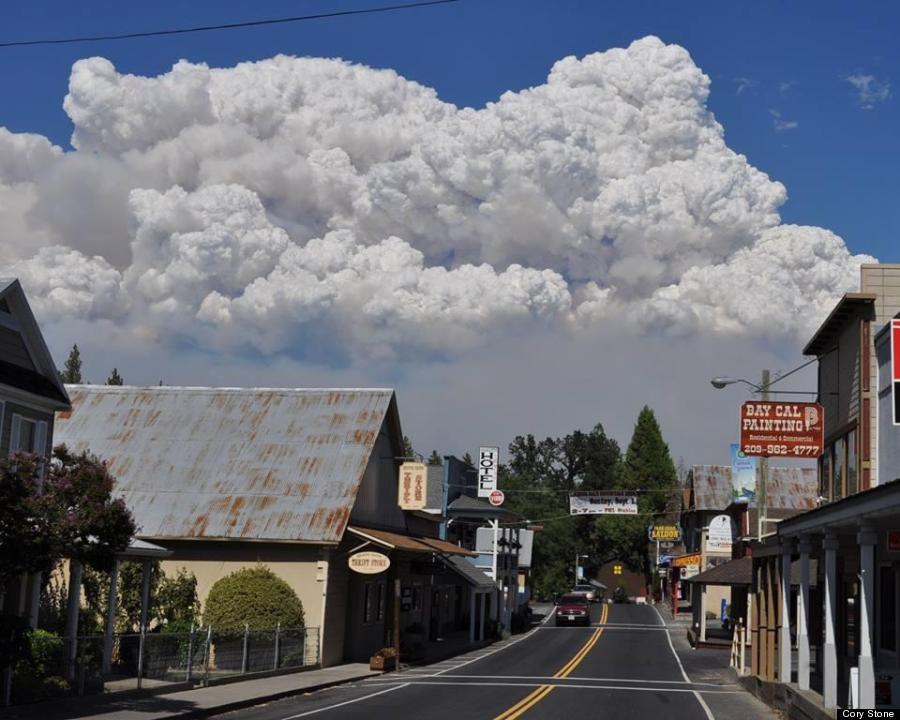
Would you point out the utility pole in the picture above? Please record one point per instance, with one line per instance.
(763, 478)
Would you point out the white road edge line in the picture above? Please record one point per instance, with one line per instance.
(502, 645)
(697, 695)
(346, 702)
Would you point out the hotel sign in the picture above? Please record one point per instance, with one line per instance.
(368, 563)
(488, 463)
(782, 429)
(412, 486)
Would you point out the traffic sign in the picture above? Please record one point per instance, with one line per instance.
(496, 497)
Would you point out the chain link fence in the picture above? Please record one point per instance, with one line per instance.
(95, 664)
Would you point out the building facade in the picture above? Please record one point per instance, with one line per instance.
(30, 394)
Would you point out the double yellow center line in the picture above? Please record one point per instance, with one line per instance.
(538, 694)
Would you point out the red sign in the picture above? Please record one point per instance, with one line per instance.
(496, 497)
(895, 368)
(893, 540)
(782, 429)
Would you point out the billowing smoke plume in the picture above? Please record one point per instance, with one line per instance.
(316, 207)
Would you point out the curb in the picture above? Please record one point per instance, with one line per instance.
(263, 699)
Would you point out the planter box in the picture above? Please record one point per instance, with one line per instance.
(376, 662)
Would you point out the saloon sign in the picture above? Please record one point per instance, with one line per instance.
(664, 533)
(782, 429)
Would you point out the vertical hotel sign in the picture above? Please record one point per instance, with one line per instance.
(895, 368)
(413, 486)
(488, 461)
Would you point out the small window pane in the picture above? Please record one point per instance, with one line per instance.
(852, 478)
(838, 459)
(887, 602)
(26, 435)
(367, 603)
(825, 477)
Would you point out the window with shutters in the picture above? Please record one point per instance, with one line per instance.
(28, 435)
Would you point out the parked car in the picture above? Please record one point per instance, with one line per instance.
(588, 590)
(573, 609)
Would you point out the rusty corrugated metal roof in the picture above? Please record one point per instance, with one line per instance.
(231, 463)
(713, 489)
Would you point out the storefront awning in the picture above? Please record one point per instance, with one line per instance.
(408, 543)
(739, 573)
(471, 574)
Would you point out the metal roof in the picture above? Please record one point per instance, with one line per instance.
(713, 489)
(409, 543)
(471, 574)
(232, 463)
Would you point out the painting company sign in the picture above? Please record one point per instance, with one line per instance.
(603, 505)
(488, 463)
(368, 563)
(413, 486)
(782, 429)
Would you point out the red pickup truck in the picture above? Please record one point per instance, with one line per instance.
(573, 609)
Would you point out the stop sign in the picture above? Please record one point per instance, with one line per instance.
(496, 497)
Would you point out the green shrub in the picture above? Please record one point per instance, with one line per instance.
(255, 596)
(45, 652)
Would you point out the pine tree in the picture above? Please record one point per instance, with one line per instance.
(72, 373)
(648, 465)
(435, 459)
(467, 459)
(115, 378)
(408, 451)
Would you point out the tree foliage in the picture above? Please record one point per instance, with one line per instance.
(435, 459)
(69, 513)
(114, 378)
(255, 596)
(540, 475)
(72, 372)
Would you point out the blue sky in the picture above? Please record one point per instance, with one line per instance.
(793, 59)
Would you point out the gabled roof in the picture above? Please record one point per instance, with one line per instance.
(409, 543)
(232, 463)
(43, 381)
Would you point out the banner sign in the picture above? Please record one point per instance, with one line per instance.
(412, 486)
(603, 505)
(488, 461)
(782, 429)
(743, 474)
(720, 535)
(686, 560)
(368, 563)
(895, 369)
(664, 533)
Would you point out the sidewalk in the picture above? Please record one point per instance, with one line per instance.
(200, 702)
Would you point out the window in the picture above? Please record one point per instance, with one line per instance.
(852, 472)
(27, 435)
(825, 469)
(839, 459)
(887, 599)
(379, 602)
(367, 603)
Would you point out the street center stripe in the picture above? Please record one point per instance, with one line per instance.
(534, 697)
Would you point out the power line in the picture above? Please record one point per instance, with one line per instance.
(225, 26)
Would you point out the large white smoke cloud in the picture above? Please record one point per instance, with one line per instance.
(312, 206)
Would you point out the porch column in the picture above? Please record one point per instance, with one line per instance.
(802, 615)
(72, 608)
(784, 630)
(484, 597)
(829, 655)
(866, 539)
(702, 612)
(771, 615)
(110, 617)
(145, 593)
(472, 615)
(754, 618)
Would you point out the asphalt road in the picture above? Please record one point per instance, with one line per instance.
(623, 666)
